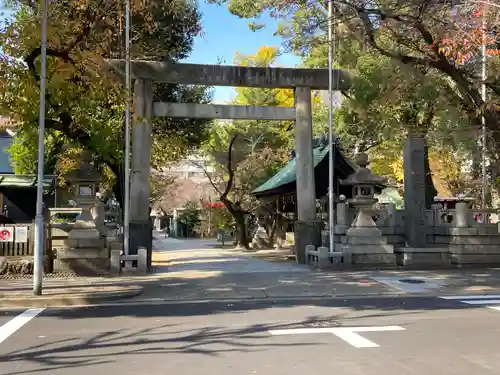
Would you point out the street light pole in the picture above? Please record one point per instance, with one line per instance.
(126, 208)
(331, 173)
(483, 119)
(39, 224)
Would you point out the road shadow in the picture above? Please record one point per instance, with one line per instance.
(113, 345)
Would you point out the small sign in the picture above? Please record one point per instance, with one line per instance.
(6, 234)
(21, 234)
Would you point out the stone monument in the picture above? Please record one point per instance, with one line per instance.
(88, 252)
(363, 240)
(260, 239)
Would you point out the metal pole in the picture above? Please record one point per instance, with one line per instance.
(126, 211)
(331, 222)
(483, 119)
(39, 225)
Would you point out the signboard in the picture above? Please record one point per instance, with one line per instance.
(21, 234)
(6, 234)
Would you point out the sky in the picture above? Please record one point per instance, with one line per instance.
(223, 35)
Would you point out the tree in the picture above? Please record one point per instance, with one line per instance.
(240, 168)
(159, 184)
(190, 217)
(388, 97)
(441, 38)
(247, 153)
(84, 102)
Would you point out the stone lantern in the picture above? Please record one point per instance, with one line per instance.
(363, 184)
(85, 184)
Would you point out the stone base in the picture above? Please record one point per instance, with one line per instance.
(366, 249)
(306, 233)
(82, 261)
(369, 254)
(370, 232)
(373, 259)
(389, 239)
(422, 257)
(82, 266)
(475, 259)
(141, 235)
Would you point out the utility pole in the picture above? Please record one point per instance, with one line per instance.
(39, 224)
(126, 208)
(331, 161)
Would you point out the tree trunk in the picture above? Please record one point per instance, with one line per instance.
(239, 219)
(241, 234)
(272, 231)
(119, 187)
(430, 189)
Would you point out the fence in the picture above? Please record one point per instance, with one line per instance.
(16, 240)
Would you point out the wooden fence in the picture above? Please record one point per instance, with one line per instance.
(16, 240)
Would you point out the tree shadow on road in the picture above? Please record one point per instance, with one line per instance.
(107, 347)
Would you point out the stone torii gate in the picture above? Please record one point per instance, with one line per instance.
(144, 73)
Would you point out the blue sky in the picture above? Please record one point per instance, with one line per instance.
(223, 35)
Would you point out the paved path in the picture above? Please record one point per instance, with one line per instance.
(194, 269)
(392, 336)
(202, 256)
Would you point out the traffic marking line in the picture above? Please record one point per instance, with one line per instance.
(17, 322)
(477, 300)
(348, 334)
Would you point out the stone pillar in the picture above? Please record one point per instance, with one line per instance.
(461, 215)
(140, 224)
(343, 214)
(306, 189)
(414, 197)
(307, 228)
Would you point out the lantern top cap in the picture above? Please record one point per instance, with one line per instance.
(361, 160)
(86, 172)
(363, 176)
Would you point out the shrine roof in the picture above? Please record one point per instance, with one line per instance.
(288, 174)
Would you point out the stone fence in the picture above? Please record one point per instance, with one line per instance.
(460, 236)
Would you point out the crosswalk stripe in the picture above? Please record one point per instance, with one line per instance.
(487, 301)
(482, 302)
(486, 296)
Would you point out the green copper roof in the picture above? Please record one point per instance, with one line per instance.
(22, 180)
(288, 174)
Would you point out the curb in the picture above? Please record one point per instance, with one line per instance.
(274, 299)
(79, 299)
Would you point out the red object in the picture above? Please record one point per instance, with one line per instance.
(4, 234)
(214, 205)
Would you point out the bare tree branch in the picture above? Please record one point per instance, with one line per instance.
(207, 174)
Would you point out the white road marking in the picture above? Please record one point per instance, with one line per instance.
(482, 302)
(477, 300)
(16, 323)
(472, 296)
(348, 334)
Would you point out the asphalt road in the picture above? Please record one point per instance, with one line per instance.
(371, 336)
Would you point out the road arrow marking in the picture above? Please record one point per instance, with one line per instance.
(348, 334)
